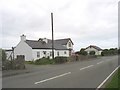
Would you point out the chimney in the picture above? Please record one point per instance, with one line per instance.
(45, 40)
(23, 37)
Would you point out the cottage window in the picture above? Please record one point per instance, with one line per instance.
(44, 52)
(38, 54)
(69, 44)
(50, 53)
(57, 53)
(65, 52)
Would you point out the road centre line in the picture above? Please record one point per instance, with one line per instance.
(52, 78)
(86, 67)
(107, 78)
(100, 62)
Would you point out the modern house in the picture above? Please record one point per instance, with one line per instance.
(36, 49)
(97, 49)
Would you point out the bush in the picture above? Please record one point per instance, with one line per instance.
(44, 61)
(83, 52)
(119, 51)
(29, 62)
(61, 59)
(6, 65)
(111, 51)
(92, 53)
(2, 55)
(102, 54)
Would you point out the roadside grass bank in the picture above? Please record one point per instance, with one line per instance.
(61, 60)
(115, 81)
(45, 61)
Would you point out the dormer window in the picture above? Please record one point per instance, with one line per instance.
(69, 44)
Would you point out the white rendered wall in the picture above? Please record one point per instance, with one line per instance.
(93, 49)
(68, 45)
(48, 51)
(62, 53)
(41, 53)
(24, 49)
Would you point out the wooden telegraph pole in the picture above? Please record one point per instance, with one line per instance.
(52, 36)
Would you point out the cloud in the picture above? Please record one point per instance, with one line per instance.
(84, 21)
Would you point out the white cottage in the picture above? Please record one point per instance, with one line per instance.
(97, 49)
(36, 49)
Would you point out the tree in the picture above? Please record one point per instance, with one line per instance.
(92, 53)
(77, 52)
(2, 55)
(111, 51)
(105, 52)
(83, 52)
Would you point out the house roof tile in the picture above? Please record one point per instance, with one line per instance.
(35, 44)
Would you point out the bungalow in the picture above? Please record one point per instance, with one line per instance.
(97, 49)
(36, 49)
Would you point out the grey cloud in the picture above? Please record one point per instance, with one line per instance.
(86, 22)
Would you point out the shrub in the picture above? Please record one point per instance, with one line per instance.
(111, 51)
(119, 51)
(61, 59)
(92, 53)
(6, 65)
(102, 54)
(29, 62)
(2, 55)
(44, 61)
(83, 53)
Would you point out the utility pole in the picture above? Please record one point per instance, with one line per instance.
(52, 36)
(13, 53)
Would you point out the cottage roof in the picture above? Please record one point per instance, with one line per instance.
(37, 44)
(96, 47)
(63, 41)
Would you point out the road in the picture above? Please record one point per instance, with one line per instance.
(85, 74)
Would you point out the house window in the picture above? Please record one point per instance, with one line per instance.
(69, 44)
(57, 53)
(50, 53)
(65, 52)
(44, 52)
(38, 54)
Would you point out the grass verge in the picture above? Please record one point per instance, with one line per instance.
(115, 81)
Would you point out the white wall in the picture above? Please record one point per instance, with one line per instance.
(48, 51)
(24, 49)
(68, 45)
(93, 49)
(34, 53)
(62, 53)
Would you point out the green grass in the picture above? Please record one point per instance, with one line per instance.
(115, 81)
(45, 61)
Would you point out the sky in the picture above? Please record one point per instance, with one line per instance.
(86, 22)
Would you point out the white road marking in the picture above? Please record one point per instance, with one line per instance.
(100, 62)
(107, 78)
(86, 67)
(52, 78)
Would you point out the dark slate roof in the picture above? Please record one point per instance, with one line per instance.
(96, 47)
(42, 45)
(8, 50)
(63, 41)
(37, 44)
